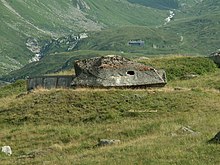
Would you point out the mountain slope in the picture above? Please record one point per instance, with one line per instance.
(122, 13)
(192, 29)
(155, 40)
(21, 20)
(165, 4)
(31, 29)
(45, 19)
(199, 34)
(198, 26)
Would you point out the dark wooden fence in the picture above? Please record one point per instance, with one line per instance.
(49, 82)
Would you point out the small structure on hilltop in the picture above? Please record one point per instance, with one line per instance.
(105, 71)
(136, 43)
(116, 71)
(215, 56)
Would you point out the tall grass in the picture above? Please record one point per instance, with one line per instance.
(178, 67)
(61, 126)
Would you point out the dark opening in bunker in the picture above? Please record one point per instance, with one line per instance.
(130, 72)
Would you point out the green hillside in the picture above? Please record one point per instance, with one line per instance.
(204, 8)
(45, 19)
(156, 41)
(165, 4)
(44, 27)
(193, 30)
(21, 20)
(169, 125)
(199, 35)
(198, 25)
(121, 13)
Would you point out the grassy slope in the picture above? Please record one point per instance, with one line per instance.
(165, 4)
(189, 35)
(194, 27)
(62, 126)
(121, 13)
(118, 38)
(200, 34)
(54, 17)
(11, 42)
(199, 26)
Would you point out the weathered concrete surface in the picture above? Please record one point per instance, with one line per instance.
(116, 71)
(215, 56)
(49, 82)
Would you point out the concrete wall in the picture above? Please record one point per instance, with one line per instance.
(49, 82)
(216, 59)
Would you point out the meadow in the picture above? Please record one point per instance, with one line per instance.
(169, 125)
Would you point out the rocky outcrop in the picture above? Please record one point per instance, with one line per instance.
(215, 56)
(43, 47)
(33, 45)
(81, 5)
(170, 17)
(116, 71)
(7, 150)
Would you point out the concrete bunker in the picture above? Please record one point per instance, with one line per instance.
(49, 82)
(105, 71)
(116, 71)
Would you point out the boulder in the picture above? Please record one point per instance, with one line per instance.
(7, 150)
